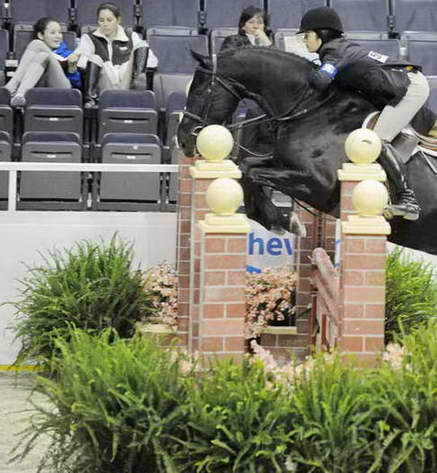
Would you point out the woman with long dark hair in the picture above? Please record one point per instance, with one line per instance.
(47, 61)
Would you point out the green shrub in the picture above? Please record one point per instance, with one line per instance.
(332, 429)
(406, 402)
(238, 421)
(411, 294)
(113, 401)
(91, 286)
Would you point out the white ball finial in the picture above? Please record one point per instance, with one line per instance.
(362, 146)
(215, 142)
(224, 196)
(369, 198)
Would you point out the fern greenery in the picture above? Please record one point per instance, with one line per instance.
(91, 286)
(411, 294)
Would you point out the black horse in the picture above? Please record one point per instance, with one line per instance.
(309, 139)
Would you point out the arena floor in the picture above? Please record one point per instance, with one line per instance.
(14, 417)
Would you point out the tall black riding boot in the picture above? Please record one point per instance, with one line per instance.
(406, 205)
(92, 74)
(139, 78)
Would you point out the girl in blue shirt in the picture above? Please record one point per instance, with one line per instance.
(46, 62)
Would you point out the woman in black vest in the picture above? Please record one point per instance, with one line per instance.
(113, 58)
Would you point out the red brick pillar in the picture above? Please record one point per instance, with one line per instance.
(222, 300)
(362, 276)
(201, 175)
(183, 242)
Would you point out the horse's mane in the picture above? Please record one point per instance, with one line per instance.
(265, 51)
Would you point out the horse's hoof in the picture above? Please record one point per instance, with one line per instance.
(297, 227)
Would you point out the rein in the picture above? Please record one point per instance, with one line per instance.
(224, 82)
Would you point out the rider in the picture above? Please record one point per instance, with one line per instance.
(399, 88)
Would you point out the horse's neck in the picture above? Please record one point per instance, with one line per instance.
(275, 86)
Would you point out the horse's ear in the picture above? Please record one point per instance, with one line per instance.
(204, 61)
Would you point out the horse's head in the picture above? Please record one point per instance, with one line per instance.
(211, 99)
(274, 79)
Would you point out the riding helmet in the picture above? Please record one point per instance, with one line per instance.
(319, 19)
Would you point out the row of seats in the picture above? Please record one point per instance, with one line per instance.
(374, 15)
(173, 47)
(54, 128)
(119, 111)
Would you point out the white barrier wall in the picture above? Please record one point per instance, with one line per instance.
(24, 234)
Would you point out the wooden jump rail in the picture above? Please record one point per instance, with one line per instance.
(325, 323)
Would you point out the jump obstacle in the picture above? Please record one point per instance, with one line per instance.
(336, 307)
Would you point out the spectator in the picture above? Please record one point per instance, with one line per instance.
(113, 57)
(47, 61)
(252, 30)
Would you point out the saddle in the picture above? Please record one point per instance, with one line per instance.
(409, 141)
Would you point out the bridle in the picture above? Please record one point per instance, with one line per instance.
(230, 85)
(215, 78)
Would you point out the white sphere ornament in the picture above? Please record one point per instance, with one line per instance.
(224, 196)
(215, 142)
(369, 198)
(362, 146)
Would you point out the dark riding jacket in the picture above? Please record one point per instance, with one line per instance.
(376, 76)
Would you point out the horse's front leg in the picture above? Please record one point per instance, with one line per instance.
(257, 199)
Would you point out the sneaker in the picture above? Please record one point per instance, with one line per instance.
(18, 101)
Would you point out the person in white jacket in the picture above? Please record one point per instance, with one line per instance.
(112, 57)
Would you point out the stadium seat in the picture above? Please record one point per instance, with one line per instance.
(171, 31)
(223, 13)
(174, 54)
(176, 103)
(86, 12)
(362, 15)
(389, 47)
(415, 15)
(49, 109)
(170, 13)
(287, 14)
(286, 39)
(6, 114)
(5, 155)
(423, 52)
(23, 35)
(4, 47)
(165, 84)
(217, 36)
(29, 11)
(39, 190)
(128, 190)
(127, 111)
